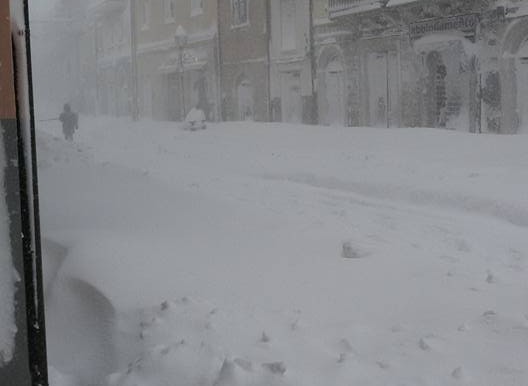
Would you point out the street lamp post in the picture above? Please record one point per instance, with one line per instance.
(181, 42)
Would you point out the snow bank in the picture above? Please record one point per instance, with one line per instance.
(58, 379)
(7, 272)
(251, 222)
(198, 344)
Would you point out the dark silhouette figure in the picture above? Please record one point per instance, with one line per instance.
(69, 122)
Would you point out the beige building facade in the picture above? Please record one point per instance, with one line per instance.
(113, 57)
(177, 58)
(292, 90)
(244, 36)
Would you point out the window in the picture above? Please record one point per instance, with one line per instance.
(196, 7)
(288, 30)
(170, 10)
(239, 12)
(145, 14)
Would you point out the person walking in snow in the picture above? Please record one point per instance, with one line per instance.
(69, 122)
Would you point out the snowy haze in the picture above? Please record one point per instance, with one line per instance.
(273, 254)
(276, 254)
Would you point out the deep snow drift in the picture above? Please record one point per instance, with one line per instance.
(267, 254)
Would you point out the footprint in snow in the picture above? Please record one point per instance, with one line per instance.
(458, 374)
(461, 245)
(491, 279)
(350, 251)
(264, 338)
(431, 342)
(383, 365)
(463, 327)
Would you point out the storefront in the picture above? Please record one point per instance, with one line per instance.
(412, 64)
(449, 57)
(171, 82)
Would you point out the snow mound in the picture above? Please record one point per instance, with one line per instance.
(199, 345)
(195, 115)
(58, 379)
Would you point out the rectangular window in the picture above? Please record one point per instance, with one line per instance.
(239, 12)
(170, 10)
(288, 30)
(196, 7)
(145, 14)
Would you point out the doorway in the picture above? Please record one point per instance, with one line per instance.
(383, 86)
(291, 97)
(174, 97)
(335, 93)
(245, 100)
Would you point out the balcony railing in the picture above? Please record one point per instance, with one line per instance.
(337, 8)
(108, 6)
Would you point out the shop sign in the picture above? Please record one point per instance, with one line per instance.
(467, 24)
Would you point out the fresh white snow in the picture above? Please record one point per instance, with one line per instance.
(274, 254)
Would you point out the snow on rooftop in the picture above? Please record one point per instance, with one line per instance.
(393, 3)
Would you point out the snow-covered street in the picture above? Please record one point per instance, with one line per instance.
(275, 254)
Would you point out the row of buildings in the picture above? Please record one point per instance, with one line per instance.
(383, 63)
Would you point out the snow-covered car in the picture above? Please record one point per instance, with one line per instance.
(195, 120)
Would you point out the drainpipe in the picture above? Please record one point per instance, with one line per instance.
(268, 31)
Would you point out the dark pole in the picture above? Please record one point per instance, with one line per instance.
(28, 366)
(31, 232)
(388, 103)
(182, 82)
(14, 371)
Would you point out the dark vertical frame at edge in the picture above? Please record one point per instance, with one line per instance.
(35, 312)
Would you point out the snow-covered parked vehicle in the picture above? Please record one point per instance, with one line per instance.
(195, 120)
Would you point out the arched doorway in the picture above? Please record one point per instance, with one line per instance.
(334, 92)
(449, 82)
(245, 102)
(513, 77)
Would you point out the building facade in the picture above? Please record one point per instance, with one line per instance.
(113, 56)
(244, 39)
(383, 63)
(292, 87)
(412, 63)
(177, 58)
